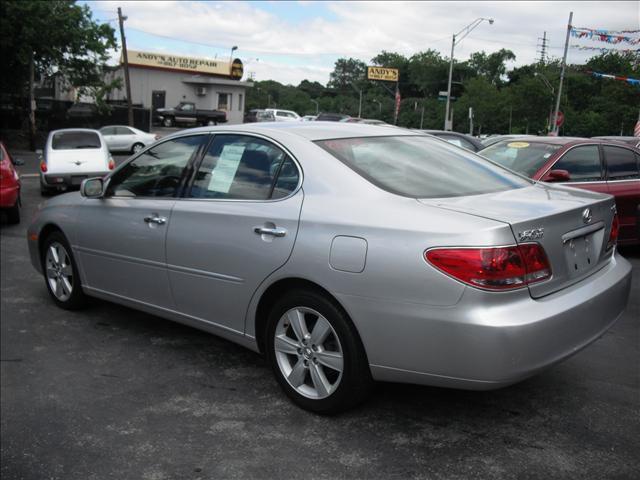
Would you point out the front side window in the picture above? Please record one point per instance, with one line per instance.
(523, 157)
(622, 164)
(244, 168)
(421, 167)
(582, 163)
(158, 171)
(75, 140)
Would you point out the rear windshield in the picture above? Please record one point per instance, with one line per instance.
(421, 167)
(525, 158)
(75, 140)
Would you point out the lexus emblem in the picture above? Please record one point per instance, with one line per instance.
(586, 215)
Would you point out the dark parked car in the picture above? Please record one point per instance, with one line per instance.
(459, 139)
(498, 138)
(187, 113)
(259, 115)
(331, 117)
(596, 165)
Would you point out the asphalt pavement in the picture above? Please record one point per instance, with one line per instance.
(112, 393)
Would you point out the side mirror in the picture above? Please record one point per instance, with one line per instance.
(92, 187)
(18, 162)
(557, 176)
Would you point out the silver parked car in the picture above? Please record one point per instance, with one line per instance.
(122, 138)
(345, 253)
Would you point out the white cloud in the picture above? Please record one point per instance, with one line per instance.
(363, 29)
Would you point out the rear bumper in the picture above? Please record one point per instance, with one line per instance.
(488, 341)
(9, 195)
(67, 180)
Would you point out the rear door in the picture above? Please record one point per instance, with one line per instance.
(236, 225)
(623, 181)
(125, 138)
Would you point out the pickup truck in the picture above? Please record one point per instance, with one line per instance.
(187, 113)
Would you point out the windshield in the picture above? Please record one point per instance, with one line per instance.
(75, 140)
(522, 157)
(421, 167)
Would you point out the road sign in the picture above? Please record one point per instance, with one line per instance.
(559, 119)
(382, 73)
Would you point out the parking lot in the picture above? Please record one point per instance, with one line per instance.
(110, 392)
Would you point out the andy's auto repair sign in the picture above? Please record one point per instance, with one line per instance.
(382, 73)
(175, 62)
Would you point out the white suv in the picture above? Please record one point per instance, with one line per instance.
(284, 115)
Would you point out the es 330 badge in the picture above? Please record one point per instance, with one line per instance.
(533, 234)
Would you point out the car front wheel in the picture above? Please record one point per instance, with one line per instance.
(137, 147)
(316, 353)
(61, 273)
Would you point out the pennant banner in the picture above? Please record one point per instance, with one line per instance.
(632, 81)
(605, 50)
(606, 32)
(602, 36)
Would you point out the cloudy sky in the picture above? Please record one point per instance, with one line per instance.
(291, 41)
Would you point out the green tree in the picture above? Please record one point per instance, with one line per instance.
(493, 66)
(347, 71)
(58, 36)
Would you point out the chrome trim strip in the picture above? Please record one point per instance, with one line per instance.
(204, 273)
(117, 256)
(580, 232)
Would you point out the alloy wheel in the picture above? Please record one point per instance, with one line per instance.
(308, 353)
(59, 271)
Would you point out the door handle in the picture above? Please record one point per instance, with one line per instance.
(154, 218)
(275, 231)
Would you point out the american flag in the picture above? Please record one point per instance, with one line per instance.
(636, 129)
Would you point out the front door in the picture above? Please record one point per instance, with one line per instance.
(121, 237)
(623, 180)
(236, 226)
(157, 99)
(584, 166)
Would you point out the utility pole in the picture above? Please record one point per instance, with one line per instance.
(544, 44)
(125, 57)
(471, 121)
(421, 117)
(564, 64)
(32, 103)
(360, 106)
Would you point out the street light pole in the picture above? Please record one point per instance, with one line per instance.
(125, 58)
(456, 39)
(564, 64)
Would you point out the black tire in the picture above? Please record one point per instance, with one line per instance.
(167, 122)
(210, 123)
(355, 383)
(77, 299)
(13, 213)
(46, 191)
(136, 147)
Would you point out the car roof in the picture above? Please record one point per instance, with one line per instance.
(310, 130)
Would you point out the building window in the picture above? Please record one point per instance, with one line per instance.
(224, 101)
(240, 102)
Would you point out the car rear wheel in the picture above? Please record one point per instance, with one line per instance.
(316, 353)
(137, 147)
(61, 273)
(167, 122)
(211, 123)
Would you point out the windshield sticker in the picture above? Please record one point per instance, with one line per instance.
(518, 145)
(226, 168)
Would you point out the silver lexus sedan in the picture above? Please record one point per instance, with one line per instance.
(345, 253)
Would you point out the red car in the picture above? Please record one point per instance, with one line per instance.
(9, 186)
(593, 164)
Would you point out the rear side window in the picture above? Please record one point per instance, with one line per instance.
(242, 167)
(622, 163)
(75, 140)
(582, 163)
(421, 167)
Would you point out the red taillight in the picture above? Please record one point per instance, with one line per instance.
(112, 165)
(43, 167)
(493, 268)
(615, 229)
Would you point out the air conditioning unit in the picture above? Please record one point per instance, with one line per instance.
(201, 91)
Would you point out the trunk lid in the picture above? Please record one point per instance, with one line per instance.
(555, 217)
(82, 160)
